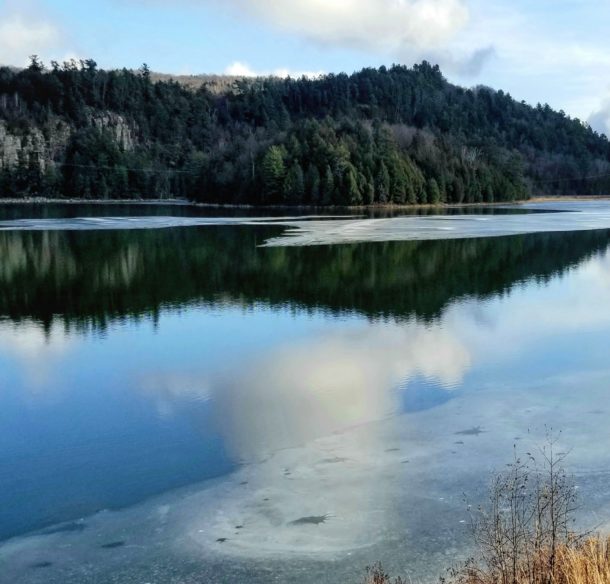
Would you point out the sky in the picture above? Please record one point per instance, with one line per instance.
(543, 51)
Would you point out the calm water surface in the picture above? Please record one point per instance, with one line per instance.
(184, 405)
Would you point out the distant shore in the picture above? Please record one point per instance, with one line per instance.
(187, 203)
(76, 201)
(568, 199)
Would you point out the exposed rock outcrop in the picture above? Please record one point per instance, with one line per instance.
(10, 146)
(122, 132)
(47, 144)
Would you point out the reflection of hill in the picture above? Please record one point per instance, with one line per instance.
(91, 277)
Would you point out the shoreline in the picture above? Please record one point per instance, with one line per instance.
(567, 199)
(384, 207)
(76, 201)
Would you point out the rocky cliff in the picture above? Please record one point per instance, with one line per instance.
(46, 145)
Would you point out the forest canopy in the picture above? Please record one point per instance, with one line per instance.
(390, 135)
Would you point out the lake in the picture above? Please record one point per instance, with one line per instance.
(188, 395)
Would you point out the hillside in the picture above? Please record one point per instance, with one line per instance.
(399, 135)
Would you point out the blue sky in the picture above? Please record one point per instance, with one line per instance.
(553, 51)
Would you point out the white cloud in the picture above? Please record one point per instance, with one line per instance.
(405, 30)
(378, 25)
(457, 61)
(599, 120)
(21, 36)
(541, 54)
(241, 69)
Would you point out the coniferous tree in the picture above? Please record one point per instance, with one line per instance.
(273, 169)
(124, 134)
(294, 185)
(328, 187)
(433, 192)
(312, 185)
(382, 185)
(352, 190)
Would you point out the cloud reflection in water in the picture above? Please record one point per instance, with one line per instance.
(330, 382)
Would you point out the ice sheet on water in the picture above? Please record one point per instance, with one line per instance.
(96, 223)
(144, 222)
(337, 229)
(378, 502)
(579, 216)
(317, 229)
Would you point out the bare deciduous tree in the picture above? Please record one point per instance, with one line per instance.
(527, 518)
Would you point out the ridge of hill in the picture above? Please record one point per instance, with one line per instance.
(394, 135)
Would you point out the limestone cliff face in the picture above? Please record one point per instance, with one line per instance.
(118, 127)
(48, 144)
(11, 145)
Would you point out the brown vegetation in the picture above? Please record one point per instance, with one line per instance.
(216, 84)
(578, 562)
(523, 532)
(583, 562)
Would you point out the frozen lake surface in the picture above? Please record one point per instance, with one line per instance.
(544, 218)
(228, 403)
(329, 229)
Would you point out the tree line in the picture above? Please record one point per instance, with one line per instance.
(389, 135)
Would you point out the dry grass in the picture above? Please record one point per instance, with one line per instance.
(523, 530)
(586, 563)
(581, 562)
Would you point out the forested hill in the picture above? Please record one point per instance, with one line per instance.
(398, 135)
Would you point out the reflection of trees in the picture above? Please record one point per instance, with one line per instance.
(91, 277)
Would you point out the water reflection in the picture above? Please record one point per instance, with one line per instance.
(335, 390)
(331, 382)
(328, 382)
(13, 212)
(36, 352)
(93, 278)
(303, 416)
